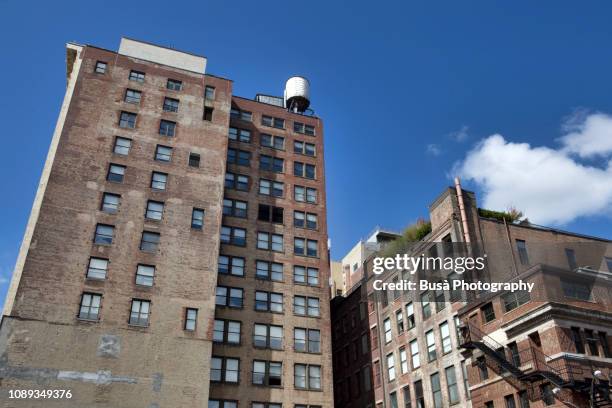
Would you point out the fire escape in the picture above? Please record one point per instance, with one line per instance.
(530, 370)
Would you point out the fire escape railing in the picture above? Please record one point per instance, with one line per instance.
(526, 369)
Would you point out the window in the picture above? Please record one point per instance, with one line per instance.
(488, 314)
(149, 241)
(451, 385)
(232, 265)
(174, 85)
(305, 194)
(509, 400)
(268, 241)
(158, 180)
(608, 263)
(240, 135)
(304, 275)
(104, 234)
(431, 345)
(489, 404)
(270, 163)
(304, 170)
(455, 294)
(571, 258)
(304, 306)
(446, 339)
(127, 120)
(237, 181)
(194, 160)
(137, 76)
(603, 338)
(271, 188)
(197, 219)
(388, 332)
(224, 369)
(100, 67)
(163, 153)
(110, 203)
(407, 397)
(235, 208)
(399, 319)
(521, 247)
(132, 96)
(97, 268)
(466, 384)
(240, 114)
(547, 394)
(303, 128)
(144, 275)
(436, 390)
(270, 214)
(155, 210)
(191, 318)
(523, 399)
(240, 157)
(226, 331)
(116, 173)
(267, 373)
(275, 142)
(268, 301)
(90, 306)
(393, 400)
(591, 342)
(213, 403)
(376, 374)
(306, 247)
(512, 300)
(209, 93)
(576, 290)
(233, 236)
(140, 312)
(410, 322)
(440, 300)
(230, 297)
(305, 220)
(171, 104)
(268, 336)
(414, 354)
(273, 405)
(426, 305)
(307, 340)
(403, 360)
(277, 123)
(167, 128)
(307, 376)
(482, 368)
(364, 344)
(122, 146)
(208, 113)
(269, 270)
(418, 394)
(307, 149)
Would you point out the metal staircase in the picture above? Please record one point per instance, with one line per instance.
(534, 369)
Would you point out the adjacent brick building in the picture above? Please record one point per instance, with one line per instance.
(445, 348)
(176, 253)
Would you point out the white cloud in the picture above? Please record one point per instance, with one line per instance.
(433, 149)
(588, 136)
(549, 185)
(460, 135)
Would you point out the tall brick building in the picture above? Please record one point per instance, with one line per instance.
(176, 252)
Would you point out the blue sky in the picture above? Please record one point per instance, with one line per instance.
(410, 93)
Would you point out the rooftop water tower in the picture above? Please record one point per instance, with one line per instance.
(297, 94)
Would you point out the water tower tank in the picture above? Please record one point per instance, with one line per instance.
(297, 94)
